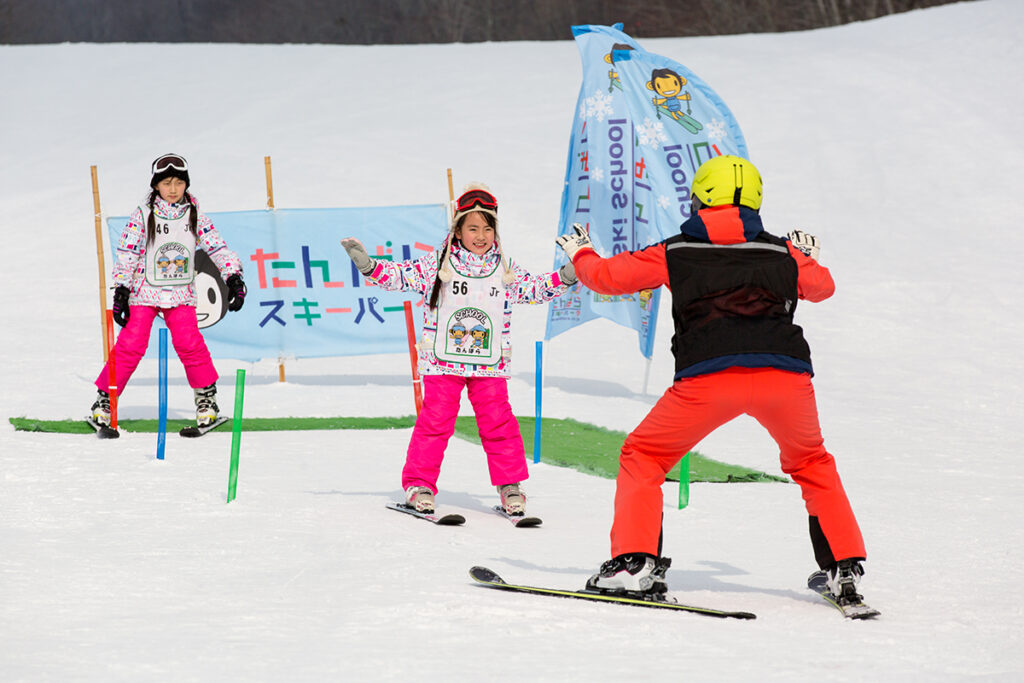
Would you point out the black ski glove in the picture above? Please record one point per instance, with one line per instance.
(120, 307)
(236, 292)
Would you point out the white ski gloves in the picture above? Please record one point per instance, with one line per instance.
(805, 242)
(357, 252)
(567, 274)
(572, 242)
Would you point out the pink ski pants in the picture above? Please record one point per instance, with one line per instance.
(498, 428)
(185, 337)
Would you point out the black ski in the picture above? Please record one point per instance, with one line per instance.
(103, 431)
(442, 520)
(851, 609)
(196, 431)
(488, 578)
(519, 520)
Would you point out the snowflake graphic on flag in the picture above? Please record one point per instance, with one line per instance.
(716, 130)
(598, 106)
(651, 133)
(597, 174)
(664, 201)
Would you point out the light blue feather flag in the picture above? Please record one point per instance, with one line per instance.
(643, 125)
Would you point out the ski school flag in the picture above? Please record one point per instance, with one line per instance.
(306, 299)
(643, 126)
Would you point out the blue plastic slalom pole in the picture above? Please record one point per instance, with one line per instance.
(161, 432)
(539, 385)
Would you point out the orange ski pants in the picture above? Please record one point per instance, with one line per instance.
(783, 402)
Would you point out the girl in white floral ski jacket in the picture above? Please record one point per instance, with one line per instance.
(153, 275)
(469, 287)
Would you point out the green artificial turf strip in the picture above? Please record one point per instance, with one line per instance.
(565, 443)
(595, 450)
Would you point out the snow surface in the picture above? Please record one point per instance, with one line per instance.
(896, 141)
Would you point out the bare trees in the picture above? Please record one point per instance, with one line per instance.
(414, 21)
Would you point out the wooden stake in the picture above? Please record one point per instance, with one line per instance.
(270, 206)
(100, 259)
(270, 184)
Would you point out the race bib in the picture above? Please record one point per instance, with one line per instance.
(170, 258)
(469, 320)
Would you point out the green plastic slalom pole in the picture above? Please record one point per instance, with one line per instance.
(684, 481)
(236, 433)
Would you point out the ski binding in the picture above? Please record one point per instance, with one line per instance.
(519, 520)
(851, 608)
(486, 577)
(103, 431)
(196, 431)
(450, 519)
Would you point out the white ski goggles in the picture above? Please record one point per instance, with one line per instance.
(169, 161)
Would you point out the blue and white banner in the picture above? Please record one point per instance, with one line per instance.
(643, 126)
(305, 298)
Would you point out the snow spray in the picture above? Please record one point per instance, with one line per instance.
(236, 433)
(538, 387)
(161, 432)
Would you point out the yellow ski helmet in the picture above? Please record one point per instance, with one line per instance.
(728, 179)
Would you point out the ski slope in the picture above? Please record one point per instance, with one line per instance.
(896, 141)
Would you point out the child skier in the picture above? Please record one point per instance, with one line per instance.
(469, 286)
(734, 290)
(166, 228)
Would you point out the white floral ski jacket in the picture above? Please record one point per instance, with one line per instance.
(130, 268)
(418, 276)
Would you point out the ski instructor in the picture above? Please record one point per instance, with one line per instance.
(734, 292)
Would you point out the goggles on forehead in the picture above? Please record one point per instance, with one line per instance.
(473, 198)
(169, 161)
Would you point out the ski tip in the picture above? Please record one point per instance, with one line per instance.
(102, 431)
(484, 575)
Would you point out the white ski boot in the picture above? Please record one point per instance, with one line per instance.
(206, 405)
(632, 573)
(512, 499)
(101, 409)
(420, 499)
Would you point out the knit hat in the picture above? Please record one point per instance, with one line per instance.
(169, 166)
(474, 197)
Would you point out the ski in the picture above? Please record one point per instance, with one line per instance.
(851, 609)
(450, 519)
(519, 520)
(486, 577)
(103, 431)
(195, 432)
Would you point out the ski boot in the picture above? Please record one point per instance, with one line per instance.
(420, 499)
(206, 405)
(842, 579)
(101, 408)
(513, 499)
(635, 573)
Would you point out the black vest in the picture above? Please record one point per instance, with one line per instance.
(733, 299)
